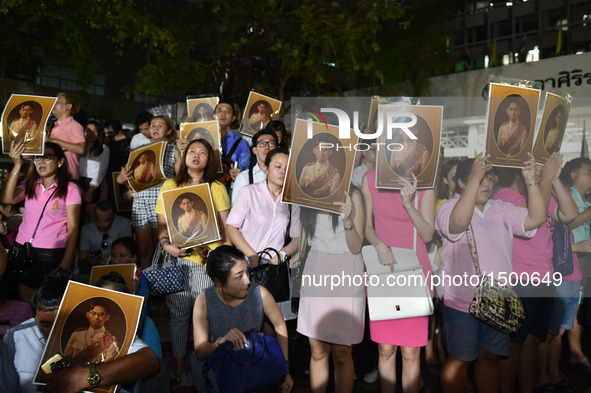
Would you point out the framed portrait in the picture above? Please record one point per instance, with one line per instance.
(320, 166)
(510, 123)
(93, 325)
(190, 216)
(123, 194)
(373, 114)
(127, 271)
(552, 127)
(23, 119)
(208, 130)
(146, 166)
(201, 109)
(412, 148)
(258, 112)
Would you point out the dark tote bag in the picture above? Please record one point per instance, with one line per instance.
(275, 278)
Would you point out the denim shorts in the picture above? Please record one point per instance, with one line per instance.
(464, 335)
(566, 302)
(538, 303)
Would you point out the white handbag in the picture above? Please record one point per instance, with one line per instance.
(403, 293)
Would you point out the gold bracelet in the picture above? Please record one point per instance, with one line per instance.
(14, 173)
(217, 342)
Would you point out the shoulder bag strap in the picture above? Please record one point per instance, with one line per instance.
(42, 211)
(233, 148)
(250, 176)
(472, 243)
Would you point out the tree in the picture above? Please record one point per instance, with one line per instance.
(33, 31)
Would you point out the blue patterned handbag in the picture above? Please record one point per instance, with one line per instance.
(260, 364)
(166, 277)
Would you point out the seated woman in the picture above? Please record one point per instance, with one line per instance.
(124, 251)
(231, 307)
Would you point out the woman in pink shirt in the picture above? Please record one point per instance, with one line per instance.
(48, 191)
(493, 224)
(258, 219)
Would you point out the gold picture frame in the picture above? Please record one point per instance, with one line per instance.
(201, 109)
(258, 112)
(24, 119)
(304, 184)
(552, 127)
(73, 319)
(146, 166)
(510, 123)
(190, 215)
(402, 156)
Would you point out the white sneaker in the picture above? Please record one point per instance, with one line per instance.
(371, 376)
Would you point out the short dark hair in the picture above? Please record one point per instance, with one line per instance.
(105, 206)
(463, 173)
(143, 117)
(264, 131)
(219, 262)
(114, 124)
(99, 303)
(272, 153)
(49, 295)
(227, 102)
(570, 167)
(113, 278)
(127, 242)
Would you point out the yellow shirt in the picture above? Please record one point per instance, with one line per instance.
(221, 202)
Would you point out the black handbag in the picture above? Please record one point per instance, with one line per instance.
(275, 278)
(562, 257)
(20, 257)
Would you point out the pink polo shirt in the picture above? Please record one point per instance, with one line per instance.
(69, 130)
(53, 229)
(493, 231)
(531, 255)
(262, 220)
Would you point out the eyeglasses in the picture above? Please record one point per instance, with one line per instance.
(266, 143)
(44, 157)
(105, 237)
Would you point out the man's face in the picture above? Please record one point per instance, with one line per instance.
(513, 111)
(104, 219)
(223, 113)
(26, 111)
(268, 143)
(61, 107)
(145, 129)
(187, 205)
(44, 320)
(97, 317)
(323, 153)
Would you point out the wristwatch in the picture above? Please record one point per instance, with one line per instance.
(93, 376)
(283, 255)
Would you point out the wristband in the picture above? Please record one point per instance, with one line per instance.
(532, 184)
(350, 228)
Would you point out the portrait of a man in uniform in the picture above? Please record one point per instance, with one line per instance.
(93, 343)
(512, 135)
(192, 221)
(24, 128)
(320, 178)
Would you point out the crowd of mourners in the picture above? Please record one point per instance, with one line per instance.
(63, 203)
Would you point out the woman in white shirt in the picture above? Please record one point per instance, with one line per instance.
(93, 168)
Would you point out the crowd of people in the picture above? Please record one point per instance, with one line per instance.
(504, 219)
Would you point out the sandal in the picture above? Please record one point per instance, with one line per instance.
(564, 387)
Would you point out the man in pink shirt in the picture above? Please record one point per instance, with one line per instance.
(67, 132)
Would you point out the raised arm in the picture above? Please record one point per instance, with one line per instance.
(536, 205)
(462, 212)
(567, 209)
(76, 148)
(11, 194)
(424, 220)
